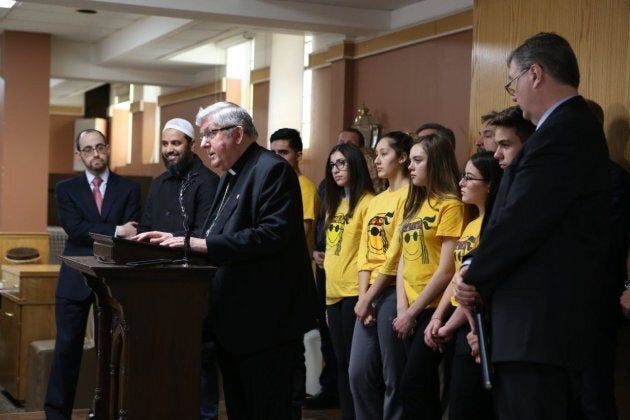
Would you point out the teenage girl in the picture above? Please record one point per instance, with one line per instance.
(378, 356)
(434, 219)
(348, 192)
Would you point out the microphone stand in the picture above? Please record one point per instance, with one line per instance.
(187, 219)
(483, 351)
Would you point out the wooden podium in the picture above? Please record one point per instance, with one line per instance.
(149, 331)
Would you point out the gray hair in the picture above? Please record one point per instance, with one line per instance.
(550, 51)
(227, 113)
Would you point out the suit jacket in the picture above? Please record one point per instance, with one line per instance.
(162, 210)
(263, 292)
(539, 259)
(79, 217)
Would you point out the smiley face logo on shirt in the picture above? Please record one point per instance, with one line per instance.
(464, 246)
(334, 232)
(377, 237)
(413, 243)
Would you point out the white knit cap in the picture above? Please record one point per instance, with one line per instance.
(182, 125)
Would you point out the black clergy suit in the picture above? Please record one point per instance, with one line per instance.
(79, 217)
(263, 293)
(537, 264)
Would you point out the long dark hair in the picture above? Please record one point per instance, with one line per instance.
(401, 143)
(442, 174)
(359, 181)
(491, 173)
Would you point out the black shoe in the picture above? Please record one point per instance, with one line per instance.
(321, 400)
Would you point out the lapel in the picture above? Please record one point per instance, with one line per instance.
(84, 191)
(110, 195)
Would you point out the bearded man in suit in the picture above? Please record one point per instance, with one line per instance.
(94, 201)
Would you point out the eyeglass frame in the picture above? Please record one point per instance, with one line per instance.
(210, 134)
(98, 148)
(465, 178)
(508, 86)
(340, 164)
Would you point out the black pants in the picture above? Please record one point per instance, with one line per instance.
(328, 377)
(421, 380)
(259, 386)
(71, 318)
(341, 320)
(533, 391)
(598, 392)
(468, 399)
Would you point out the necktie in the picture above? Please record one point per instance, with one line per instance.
(96, 192)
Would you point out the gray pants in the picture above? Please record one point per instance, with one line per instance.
(377, 360)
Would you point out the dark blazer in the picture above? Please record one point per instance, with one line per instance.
(263, 292)
(539, 259)
(162, 210)
(79, 217)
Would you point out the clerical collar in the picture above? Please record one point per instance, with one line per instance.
(231, 171)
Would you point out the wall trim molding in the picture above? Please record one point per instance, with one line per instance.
(218, 86)
(260, 75)
(401, 38)
(65, 110)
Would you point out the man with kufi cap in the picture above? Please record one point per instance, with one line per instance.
(180, 198)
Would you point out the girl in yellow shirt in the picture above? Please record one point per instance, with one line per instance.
(378, 356)
(433, 221)
(468, 400)
(348, 192)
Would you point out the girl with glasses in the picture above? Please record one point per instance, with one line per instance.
(467, 400)
(378, 356)
(348, 192)
(434, 219)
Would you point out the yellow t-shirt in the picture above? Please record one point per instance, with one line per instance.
(421, 241)
(342, 247)
(468, 241)
(310, 206)
(380, 225)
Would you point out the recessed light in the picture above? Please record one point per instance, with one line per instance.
(6, 4)
(87, 11)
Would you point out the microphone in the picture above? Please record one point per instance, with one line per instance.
(187, 219)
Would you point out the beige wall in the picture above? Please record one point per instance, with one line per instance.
(598, 31)
(403, 88)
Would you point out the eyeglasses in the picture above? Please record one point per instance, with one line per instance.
(467, 177)
(210, 134)
(340, 164)
(88, 150)
(508, 86)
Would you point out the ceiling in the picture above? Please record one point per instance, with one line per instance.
(135, 41)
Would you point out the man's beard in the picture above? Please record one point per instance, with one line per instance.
(182, 166)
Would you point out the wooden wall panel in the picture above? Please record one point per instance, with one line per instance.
(599, 33)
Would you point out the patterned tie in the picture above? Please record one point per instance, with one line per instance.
(96, 192)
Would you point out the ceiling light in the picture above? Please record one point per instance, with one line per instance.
(7, 4)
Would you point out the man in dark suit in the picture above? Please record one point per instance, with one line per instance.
(178, 202)
(536, 269)
(262, 296)
(96, 201)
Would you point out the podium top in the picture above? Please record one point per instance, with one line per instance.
(112, 250)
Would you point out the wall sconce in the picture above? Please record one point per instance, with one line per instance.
(367, 126)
